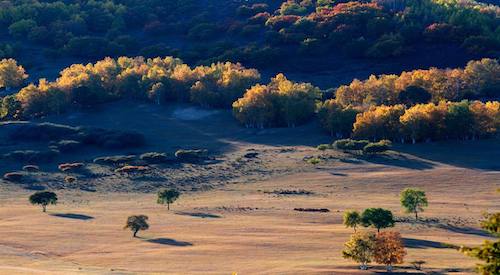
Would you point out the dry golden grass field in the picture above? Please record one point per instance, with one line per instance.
(228, 220)
(242, 228)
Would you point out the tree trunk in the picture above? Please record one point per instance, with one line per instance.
(416, 215)
(168, 206)
(135, 233)
(44, 207)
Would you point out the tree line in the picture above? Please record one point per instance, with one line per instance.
(156, 79)
(421, 122)
(362, 110)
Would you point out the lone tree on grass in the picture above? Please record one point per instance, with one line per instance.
(360, 249)
(389, 249)
(43, 198)
(168, 196)
(413, 201)
(352, 219)
(378, 218)
(136, 223)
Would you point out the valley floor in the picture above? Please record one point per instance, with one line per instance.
(243, 228)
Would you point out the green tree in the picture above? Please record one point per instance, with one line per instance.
(136, 223)
(488, 252)
(360, 248)
(352, 219)
(413, 200)
(43, 198)
(168, 196)
(377, 217)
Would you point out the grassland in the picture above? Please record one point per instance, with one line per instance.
(237, 222)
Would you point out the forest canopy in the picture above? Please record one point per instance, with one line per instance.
(415, 106)
(251, 33)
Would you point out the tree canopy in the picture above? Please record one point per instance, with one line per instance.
(136, 223)
(43, 198)
(413, 200)
(168, 196)
(377, 217)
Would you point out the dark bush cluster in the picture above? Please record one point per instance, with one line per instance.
(382, 29)
(191, 155)
(115, 160)
(365, 146)
(155, 157)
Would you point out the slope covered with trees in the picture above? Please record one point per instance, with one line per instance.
(205, 32)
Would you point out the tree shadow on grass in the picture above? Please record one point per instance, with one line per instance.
(473, 154)
(338, 174)
(465, 230)
(199, 215)
(171, 242)
(417, 243)
(399, 160)
(72, 216)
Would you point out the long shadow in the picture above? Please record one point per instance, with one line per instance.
(399, 160)
(338, 174)
(72, 216)
(417, 243)
(474, 154)
(199, 215)
(167, 241)
(465, 230)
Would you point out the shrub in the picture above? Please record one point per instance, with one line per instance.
(70, 179)
(31, 168)
(13, 176)
(350, 144)
(132, 169)
(323, 147)
(377, 147)
(191, 155)
(313, 161)
(71, 167)
(115, 160)
(154, 157)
